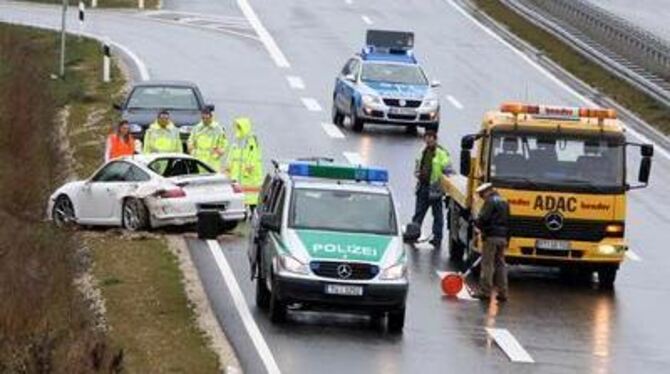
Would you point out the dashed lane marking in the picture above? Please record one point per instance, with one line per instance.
(265, 36)
(311, 104)
(353, 157)
(332, 130)
(457, 104)
(295, 82)
(367, 20)
(633, 256)
(508, 343)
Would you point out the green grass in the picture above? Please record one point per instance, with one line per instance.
(148, 4)
(625, 94)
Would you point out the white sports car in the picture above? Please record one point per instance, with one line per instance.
(148, 191)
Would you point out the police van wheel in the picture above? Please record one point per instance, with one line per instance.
(607, 276)
(396, 320)
(356, 123)
(262, 294)
(277, 306)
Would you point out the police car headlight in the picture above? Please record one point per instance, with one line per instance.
(134, 127)
(395, 272)
(431, 103)
(371, 99)
(292, 265)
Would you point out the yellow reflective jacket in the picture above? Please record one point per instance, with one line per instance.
(159, 139)
(208, 143)
(245, 160)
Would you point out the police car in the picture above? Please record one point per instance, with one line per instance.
(327, 236)
(385, 84)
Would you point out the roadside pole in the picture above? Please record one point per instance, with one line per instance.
(94, 3)
(61, 71)
(140, 4)
(82, 9)
(106, 63)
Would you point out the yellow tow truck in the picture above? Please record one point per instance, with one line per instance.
(563, 172)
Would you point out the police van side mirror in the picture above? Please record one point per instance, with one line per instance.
(468, 142)
(465, 163)
(210, 107)
(270, 222)
(647, 150)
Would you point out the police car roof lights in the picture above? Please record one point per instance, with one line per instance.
(383, 45)
(339, 172)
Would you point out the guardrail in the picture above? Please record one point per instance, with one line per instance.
(623, 49)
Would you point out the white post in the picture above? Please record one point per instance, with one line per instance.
(106, 61)
(94, 3)
(81, 17)
(140, 4)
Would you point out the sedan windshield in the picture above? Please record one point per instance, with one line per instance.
(343, 211)
(558, 160)
(180, 98)
(174, 167)
(393, 73)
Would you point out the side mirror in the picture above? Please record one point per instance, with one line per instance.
(210, 107)
(468, 142)
(117, 106)
(647, 150)
(411, 233)
(350, 78)
(645, 170)
(270, 222)
(465, 163)
(435, 84)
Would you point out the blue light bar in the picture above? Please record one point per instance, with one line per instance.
(340, 172)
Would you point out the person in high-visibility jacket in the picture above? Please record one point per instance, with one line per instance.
(120, 142)
(208, 141)
(162, 136)
(244, 160)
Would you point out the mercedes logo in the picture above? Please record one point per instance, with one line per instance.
(402, 102)
(554, 221)
(344, 271)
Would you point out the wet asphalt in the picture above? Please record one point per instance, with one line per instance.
(565, 328)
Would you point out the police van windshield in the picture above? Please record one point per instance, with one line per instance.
(393, 73)
(348, 211)
(594, 164)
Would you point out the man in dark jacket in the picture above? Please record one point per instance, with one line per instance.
(493, 223)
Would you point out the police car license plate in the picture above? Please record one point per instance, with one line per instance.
(402, 111)
(344, 290)
(554, 245)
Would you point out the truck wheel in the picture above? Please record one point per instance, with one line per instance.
(338, 116)
(607, 276)
(277, 306)
(396, 320)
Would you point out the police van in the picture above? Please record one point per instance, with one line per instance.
(327, 236)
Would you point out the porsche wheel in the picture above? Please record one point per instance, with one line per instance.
(135, 215)
(63, 212)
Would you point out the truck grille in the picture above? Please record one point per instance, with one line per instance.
(580, 230)
(330, 269)
(408, 103)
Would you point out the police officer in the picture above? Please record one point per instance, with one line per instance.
(208, 141)
(245, 161)
(162, 136)
(433, 163)
(493, 224)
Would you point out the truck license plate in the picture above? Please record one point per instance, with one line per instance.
(344, 290)
(556, 245)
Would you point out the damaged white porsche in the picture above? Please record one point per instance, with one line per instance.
(148, 191)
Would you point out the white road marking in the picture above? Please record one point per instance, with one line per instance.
(141, 67)
(367, 20)
(265, 36)
(455, 102)
(464, 294)
(354, 158)
(332, 130)
(349, 2)
(633, 256)
(311, 104)
(242, 308)
(548, 74)
(295, 82)
(508, 343)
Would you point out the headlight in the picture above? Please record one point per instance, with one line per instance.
(370, 99)
(135, 127)
(431, 103)
(614, 230)
(395, 272)
(292, 265)
(608, 250)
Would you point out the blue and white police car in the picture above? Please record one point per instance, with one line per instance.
(385, 84)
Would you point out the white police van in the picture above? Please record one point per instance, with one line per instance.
(327, 236)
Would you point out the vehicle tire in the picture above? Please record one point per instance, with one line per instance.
(577, 276)
(607, 277)
(338, 116)
(356, 123)
(377, 319)
(411, 130)
(227, 226)
(263, 295)
(62, 212)
(135, 216)
(433, 127)
(396, 320)
(277, 306)
(456, 248)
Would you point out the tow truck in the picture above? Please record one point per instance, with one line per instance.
(563, 172)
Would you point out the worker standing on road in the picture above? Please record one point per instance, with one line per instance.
(245, 163)
(208, 141)
(493, 224)
(430, 167)
(162, 136)
(120, 142)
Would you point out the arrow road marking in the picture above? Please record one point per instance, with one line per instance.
(508, 343)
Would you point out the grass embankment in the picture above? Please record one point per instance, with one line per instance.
(625, 94)
(45, 323)
(148, 4)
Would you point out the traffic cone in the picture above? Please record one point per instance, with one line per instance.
(452, 283)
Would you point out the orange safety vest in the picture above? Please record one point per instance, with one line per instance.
(118, 147)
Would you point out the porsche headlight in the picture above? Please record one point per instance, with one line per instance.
(395, 272)
(371, 99)
(292, 265)
(431, 103)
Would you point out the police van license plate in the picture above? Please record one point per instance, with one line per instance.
(402, 111)
(344, 290)
(554, 245)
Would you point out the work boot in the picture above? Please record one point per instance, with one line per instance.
(481, 296)
(501, 297)
(436, 243)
